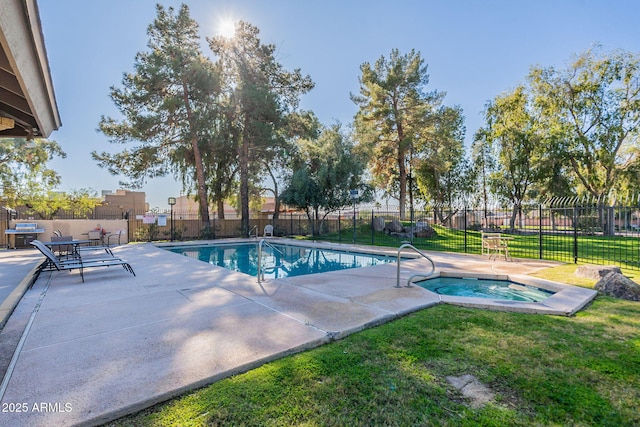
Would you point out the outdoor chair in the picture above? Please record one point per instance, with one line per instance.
(494, 244)
(63, 250)
(79, 263)
(268, 230)
(117, 234)
(95, 236)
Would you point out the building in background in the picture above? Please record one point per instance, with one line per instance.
(124, 202)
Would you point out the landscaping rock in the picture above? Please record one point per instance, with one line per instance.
(596, 272)
(378, 223)
(618, 286)
(394, 226)
(472, 389)
(427, 232)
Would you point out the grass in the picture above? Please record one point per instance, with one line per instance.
(619, 250)
(545, 371)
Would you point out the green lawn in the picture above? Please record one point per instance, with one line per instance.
(618, 250)
(545, 371)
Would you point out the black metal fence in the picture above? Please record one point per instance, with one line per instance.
(576, 234)
(590, 233)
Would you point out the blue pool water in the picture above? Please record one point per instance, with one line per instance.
(484, 288)
(286, 261)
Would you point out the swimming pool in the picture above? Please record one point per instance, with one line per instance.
(485, 288)
(279, 260)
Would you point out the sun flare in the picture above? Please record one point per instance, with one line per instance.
(226, 28)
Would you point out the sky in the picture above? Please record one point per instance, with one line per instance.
(474, 49)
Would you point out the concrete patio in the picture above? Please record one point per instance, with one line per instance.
(92, 352)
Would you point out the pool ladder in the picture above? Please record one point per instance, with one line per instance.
(413, 276)
(264, 242)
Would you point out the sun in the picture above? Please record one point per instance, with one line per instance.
(226, 28)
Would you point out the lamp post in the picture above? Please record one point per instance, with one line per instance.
(354, 198)
(172, 202)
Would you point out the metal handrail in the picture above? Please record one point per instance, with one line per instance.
(255, 227)
(410, 246)
(260, 244)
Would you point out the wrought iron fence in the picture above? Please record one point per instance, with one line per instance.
(567, 230)
(585, 234)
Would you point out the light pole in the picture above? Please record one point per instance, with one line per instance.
(171, 201)
(354, 198)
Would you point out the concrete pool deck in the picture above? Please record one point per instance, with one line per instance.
(94, 351)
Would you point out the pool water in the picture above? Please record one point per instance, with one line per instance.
(286, 261)
(485, 288)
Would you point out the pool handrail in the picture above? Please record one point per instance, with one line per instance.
(260, 244)
(413, 276)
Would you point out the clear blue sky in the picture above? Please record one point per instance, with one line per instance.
(475, 50)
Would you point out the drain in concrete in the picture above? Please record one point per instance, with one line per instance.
(471, 388)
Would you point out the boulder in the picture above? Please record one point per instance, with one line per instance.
(425, 232)
(394, 226)
(378, 223)
(422, 225)
(616, 285)
(596, 272)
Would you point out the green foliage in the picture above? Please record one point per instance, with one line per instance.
(394, 110)
(327, 169)
(439, 160)
(513, 134)
(167, 106)
(259, 94)
(24, 175)
(591, 111)
(147, 233)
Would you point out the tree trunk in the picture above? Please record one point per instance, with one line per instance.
(244, 183)
(220, 203)
(203, 198)
(276, 201)
(514, 215)
(203, 201)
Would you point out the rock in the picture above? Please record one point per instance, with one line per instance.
(422, 225)
(616, 285)
(596, 272)
(378, 223)
(426, 232)
(394, 226)
(472, 389)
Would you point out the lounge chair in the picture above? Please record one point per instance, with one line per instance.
(79, 263)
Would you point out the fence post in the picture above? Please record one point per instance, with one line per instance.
(339, 227)
(575, 233)
(464, 222)
(540, 227)
(373, 234)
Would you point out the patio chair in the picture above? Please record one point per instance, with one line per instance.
(95, 236)
(79, 263)
(115, 234)
(268, 230)
(493, 244)
(63, 250)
